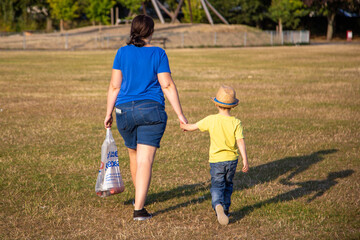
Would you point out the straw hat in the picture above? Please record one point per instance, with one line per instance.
(226, 97)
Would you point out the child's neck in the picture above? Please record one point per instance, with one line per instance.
(225, 111)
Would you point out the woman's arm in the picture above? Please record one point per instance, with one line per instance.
(114, 88)
(169, 89)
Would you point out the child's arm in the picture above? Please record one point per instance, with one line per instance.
(188, 127)
(241, 144)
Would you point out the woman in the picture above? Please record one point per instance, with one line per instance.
(140, 77)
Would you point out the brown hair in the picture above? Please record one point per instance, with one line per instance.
(142, 26)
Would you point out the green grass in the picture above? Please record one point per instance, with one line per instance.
(299, 107)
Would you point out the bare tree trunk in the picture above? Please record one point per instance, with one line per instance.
(48, 24)
(61, 25)
(117, 16)
(190, 11)
(144, 8)
(129, 15)
(112, 16)
(174, 17)
(330, 27)
(280, 27)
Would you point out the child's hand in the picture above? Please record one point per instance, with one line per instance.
(183, 126)
(188, 127)
(245, 168)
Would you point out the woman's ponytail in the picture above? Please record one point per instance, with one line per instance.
(136, 40)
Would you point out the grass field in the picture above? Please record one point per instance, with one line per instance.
(300, 107)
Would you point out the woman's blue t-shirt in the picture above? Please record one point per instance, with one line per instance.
(139, 67)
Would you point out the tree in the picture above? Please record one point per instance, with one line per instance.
(7, 13)
(329, 8)
(40, 10)
(63, 10)
(251, 12)
(14, 15)
(197, 12)
(132, 5)
(99, 10)
(287, 13)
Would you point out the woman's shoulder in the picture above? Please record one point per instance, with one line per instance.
(121, 49)
(155, 48)
(149, 47)
(126, 47)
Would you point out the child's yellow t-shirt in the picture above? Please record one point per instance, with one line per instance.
(224, 131)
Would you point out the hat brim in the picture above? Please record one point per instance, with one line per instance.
(225, 105)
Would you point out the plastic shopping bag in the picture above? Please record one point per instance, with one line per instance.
(109, 180)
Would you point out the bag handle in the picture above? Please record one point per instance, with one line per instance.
(109, 135)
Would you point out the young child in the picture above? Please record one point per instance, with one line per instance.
(225, 133)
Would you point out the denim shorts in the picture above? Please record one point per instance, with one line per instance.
(141, 122)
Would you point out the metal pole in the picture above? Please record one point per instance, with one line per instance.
(308, 36)
(174, 18)
(216, 12)
(207, 12)
(182, 39)
(158, 11)
(164, 9)
(66, 41)
(190, 11)
(245, 39)
(107, 40)
(24, 40)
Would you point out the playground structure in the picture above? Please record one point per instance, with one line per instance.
(173, 15)
(205, 3)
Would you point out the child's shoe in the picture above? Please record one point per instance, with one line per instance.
(223, 219)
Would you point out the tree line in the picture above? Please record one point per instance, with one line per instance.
(45, 15)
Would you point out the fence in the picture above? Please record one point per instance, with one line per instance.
(100, 40)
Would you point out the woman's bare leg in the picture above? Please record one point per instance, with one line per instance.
(145, 155)
(133, 164)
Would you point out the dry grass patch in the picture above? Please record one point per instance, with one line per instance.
(299, 107)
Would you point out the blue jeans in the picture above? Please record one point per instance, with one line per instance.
(141, 122)
(222, 174)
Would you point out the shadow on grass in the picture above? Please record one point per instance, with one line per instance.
(203, 198)
(271, 171)
(181, 191)
(318, 187)
(257, 175)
